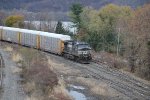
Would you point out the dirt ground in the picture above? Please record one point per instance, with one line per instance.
(11, 87)
(95, 82)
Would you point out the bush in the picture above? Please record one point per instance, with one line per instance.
(15, 21)
(41, 75)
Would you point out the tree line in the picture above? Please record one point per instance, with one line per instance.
(117, 29)
(34, 21)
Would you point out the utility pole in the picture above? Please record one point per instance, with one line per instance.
(118, 44)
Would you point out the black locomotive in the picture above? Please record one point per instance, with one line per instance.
(78, 51)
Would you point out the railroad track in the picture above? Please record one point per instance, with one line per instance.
(1, 70)
(130, 91)
(119, 81)
(124, 77)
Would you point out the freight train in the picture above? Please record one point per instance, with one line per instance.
(59, 44)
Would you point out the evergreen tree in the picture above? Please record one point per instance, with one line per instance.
(76, 10)
(59, 28)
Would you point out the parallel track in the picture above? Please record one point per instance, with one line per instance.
(124, 77)
(119, 81)
(126, 86)
(119, 85)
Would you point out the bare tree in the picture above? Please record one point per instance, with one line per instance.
(137, 41)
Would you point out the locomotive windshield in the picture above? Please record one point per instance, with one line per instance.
(84, 47)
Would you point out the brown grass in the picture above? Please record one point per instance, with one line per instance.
(61, 68)
(111, 60)
(16, 57)
(39, 73)
(98, 88)
(29, 87)
(8, 48)
(39, 80)
(31, 98)
(17, 70)
(60, 91)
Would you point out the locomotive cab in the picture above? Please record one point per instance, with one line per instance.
(79, 51)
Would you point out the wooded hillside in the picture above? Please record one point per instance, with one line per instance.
(62, 5)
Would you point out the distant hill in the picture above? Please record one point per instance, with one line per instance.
(62, 5)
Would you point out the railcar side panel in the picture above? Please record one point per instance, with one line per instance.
(10, 36)
(29, 39)
(23, 38)
(42, 42)
(33, 40)
(51, 44)
(1, 34)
